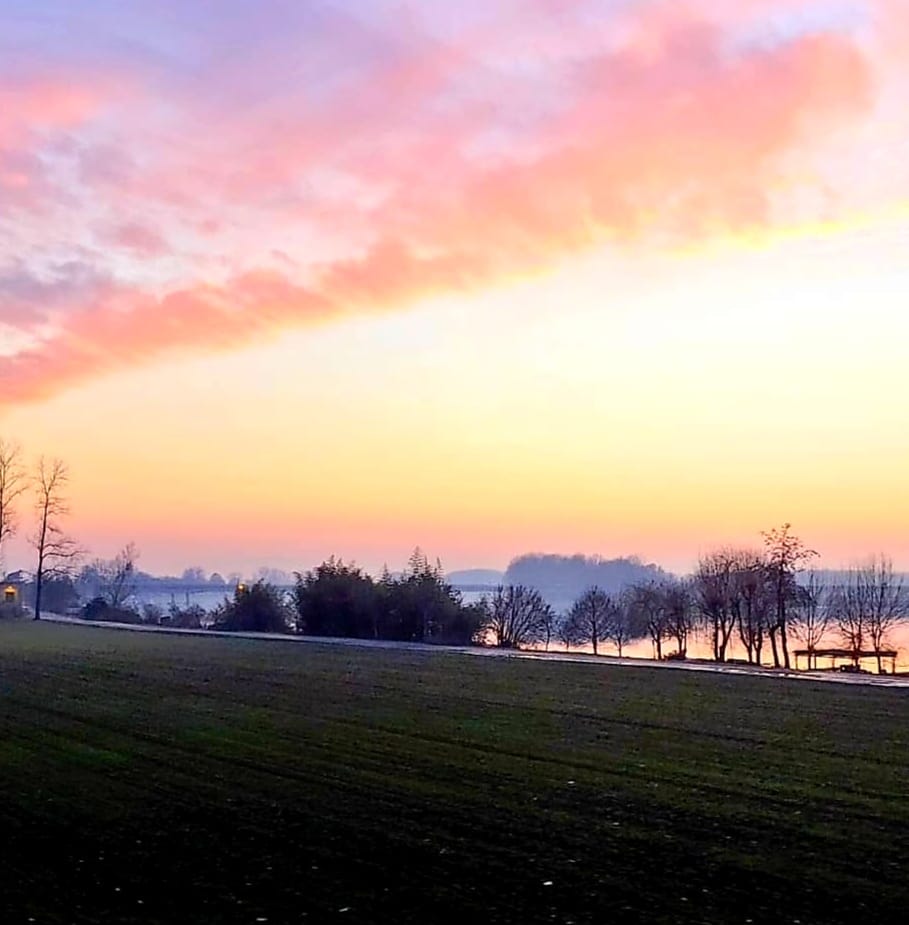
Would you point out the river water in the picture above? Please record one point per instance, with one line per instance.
(699, 646)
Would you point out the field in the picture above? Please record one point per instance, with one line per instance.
(145, 778)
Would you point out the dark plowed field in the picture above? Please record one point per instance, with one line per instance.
(148, 778)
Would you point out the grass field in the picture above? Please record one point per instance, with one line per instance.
(146, 778)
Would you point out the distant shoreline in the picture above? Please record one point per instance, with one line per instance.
(869, 680)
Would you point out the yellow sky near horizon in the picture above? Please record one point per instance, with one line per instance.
(614, 278)
(625, 403)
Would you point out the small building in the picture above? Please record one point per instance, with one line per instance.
(12, 588)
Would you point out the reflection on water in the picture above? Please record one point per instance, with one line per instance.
(699, 645)
(207, 600)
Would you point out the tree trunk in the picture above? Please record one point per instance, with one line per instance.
(682, 642)
(776, 655)
(785, 643)
(724, 642)
(42, 549)
(39, 581)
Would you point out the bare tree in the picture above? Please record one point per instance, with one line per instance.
(516, 615)
(812, 615)
(56, 552)
(786, 556)
(12, 485)
(116, 578)
(549, 626)
(646, 605)
(848, 608)
(888, 599)
(679, 613)
(868, 605)
(589, 617)
(622, 625)
(566, 631)
(713, 594)
(751, 602)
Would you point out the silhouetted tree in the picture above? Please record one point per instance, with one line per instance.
(812, 616)
(516, 616)
(257, 608)
(786, 556)
(868, 604)
(550, 618)
(751, 601)
(56, 552)
(113, 579)
(420, 606)
(888, 599)
(646, 605)
(336, 599)
(622, 624)
(713, 596)
(589, 618)
(13, 484)
(679, 609)
(566, 631)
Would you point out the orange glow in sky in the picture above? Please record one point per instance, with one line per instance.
(566, 277)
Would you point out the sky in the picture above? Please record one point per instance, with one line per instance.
(282, 280)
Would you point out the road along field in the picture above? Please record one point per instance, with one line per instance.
(153, 778)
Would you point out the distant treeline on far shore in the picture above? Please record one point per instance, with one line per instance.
(767, 603)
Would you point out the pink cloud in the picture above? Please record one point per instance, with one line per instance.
(30, 106)
(664, 132)
(139, 238)
(120, 329)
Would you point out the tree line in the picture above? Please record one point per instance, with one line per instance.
(757, 601)
(753, 600)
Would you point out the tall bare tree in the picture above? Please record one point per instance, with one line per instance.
(566, 631)
(56, 552)
(786, 556)
(848, 609)
(812, 615)
(12, 485)
(679, 614)
(116, 578)
(752, 602)
(623, 625)
(868, 605)
(888, 600)
(713, 591)
(516, 615)
(646, 604)
(589, 617)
